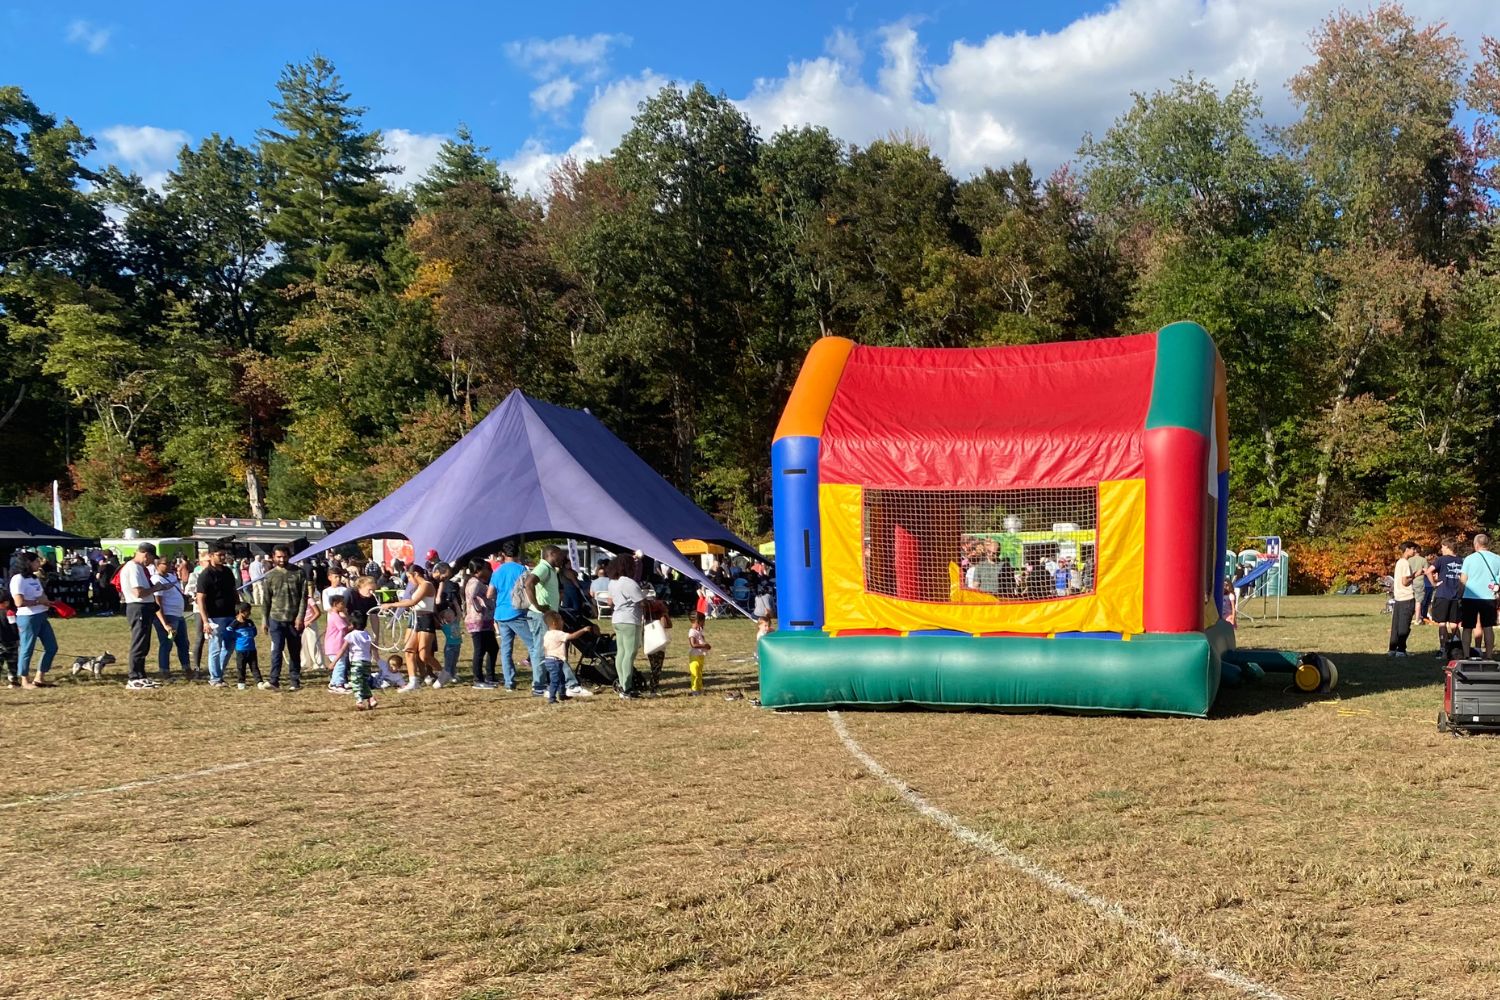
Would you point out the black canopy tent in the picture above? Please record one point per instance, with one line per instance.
(21, 529)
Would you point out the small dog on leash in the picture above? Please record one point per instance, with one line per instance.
(93, 665)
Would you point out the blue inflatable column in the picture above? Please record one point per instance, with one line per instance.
(794, 514)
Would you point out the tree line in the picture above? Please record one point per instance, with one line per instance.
(284, 326)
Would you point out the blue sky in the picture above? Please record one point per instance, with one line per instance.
(985, 82)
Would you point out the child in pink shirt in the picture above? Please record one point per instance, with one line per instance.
(333, 644)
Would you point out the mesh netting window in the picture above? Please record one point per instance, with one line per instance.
(980, 546)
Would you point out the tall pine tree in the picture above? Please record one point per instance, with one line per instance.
(459, 161)
(326, 190)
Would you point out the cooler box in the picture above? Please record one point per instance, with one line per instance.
(1471, 697)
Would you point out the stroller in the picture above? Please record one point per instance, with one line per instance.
(591, 656)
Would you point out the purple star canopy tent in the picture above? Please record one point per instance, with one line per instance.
(532, 468)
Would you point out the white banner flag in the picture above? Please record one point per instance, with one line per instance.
(56, 507)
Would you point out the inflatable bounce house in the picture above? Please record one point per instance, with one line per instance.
(1013, 527)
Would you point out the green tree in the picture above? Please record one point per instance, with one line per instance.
(326, 188)
(460, 161)
(215, 194)
(501, 300)
(673, 274)
(1185, 176)
(1378, 143)
(54, 246)
(894, 241)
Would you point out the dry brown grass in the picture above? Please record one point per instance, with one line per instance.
(704, 848)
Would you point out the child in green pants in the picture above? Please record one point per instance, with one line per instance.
(358, 646)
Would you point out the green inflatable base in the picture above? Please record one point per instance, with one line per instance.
(1157, 673)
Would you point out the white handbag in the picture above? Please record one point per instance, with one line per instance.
(657, 636)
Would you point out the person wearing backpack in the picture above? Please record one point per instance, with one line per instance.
(1481, 580)
(510, 620)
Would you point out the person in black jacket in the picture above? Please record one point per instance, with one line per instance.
(216, 597)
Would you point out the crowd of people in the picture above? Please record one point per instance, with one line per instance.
(1456, 594)
(326, 616)
(986, 568)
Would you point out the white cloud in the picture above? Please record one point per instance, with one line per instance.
(997, 99)
(89, 36)
(608, 118)
(544, 58)
(144, 149)
(413, 152)
(531, 166)
(1035, 95)
(844, 48)
(554, 95)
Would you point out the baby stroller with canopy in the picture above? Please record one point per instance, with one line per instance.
(592, 656)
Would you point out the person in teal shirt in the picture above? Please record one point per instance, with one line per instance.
(1481, 580)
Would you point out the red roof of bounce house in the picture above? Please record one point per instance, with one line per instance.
(988, 418)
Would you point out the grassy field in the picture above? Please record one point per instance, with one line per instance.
(190, 842)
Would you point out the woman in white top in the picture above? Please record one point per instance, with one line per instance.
(626, 598)
(421, 641)
(32, 607)
(170, 627)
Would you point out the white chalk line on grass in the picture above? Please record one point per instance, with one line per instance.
(241, 765)
(1110, 911)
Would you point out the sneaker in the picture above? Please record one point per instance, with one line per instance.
(551, 700)
(510, 687)
(266, 686)
(537, 694)
(337, 689)
(579, 691)
(484, 685)
(139, 684)
(215, 684)
(437, 682)
(409, 686)
(241, 685)
(447, 678)
(629, 695)
(294, 686)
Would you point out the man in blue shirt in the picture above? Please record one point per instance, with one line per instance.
(510, 622)
(1481, 580)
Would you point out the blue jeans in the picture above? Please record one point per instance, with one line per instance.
(164, 646)
(340, 676)
(538, 673)
(288, 639)
(34, 629)
(554, 677)
(507, 629)
(453, 638)
(218, 649)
